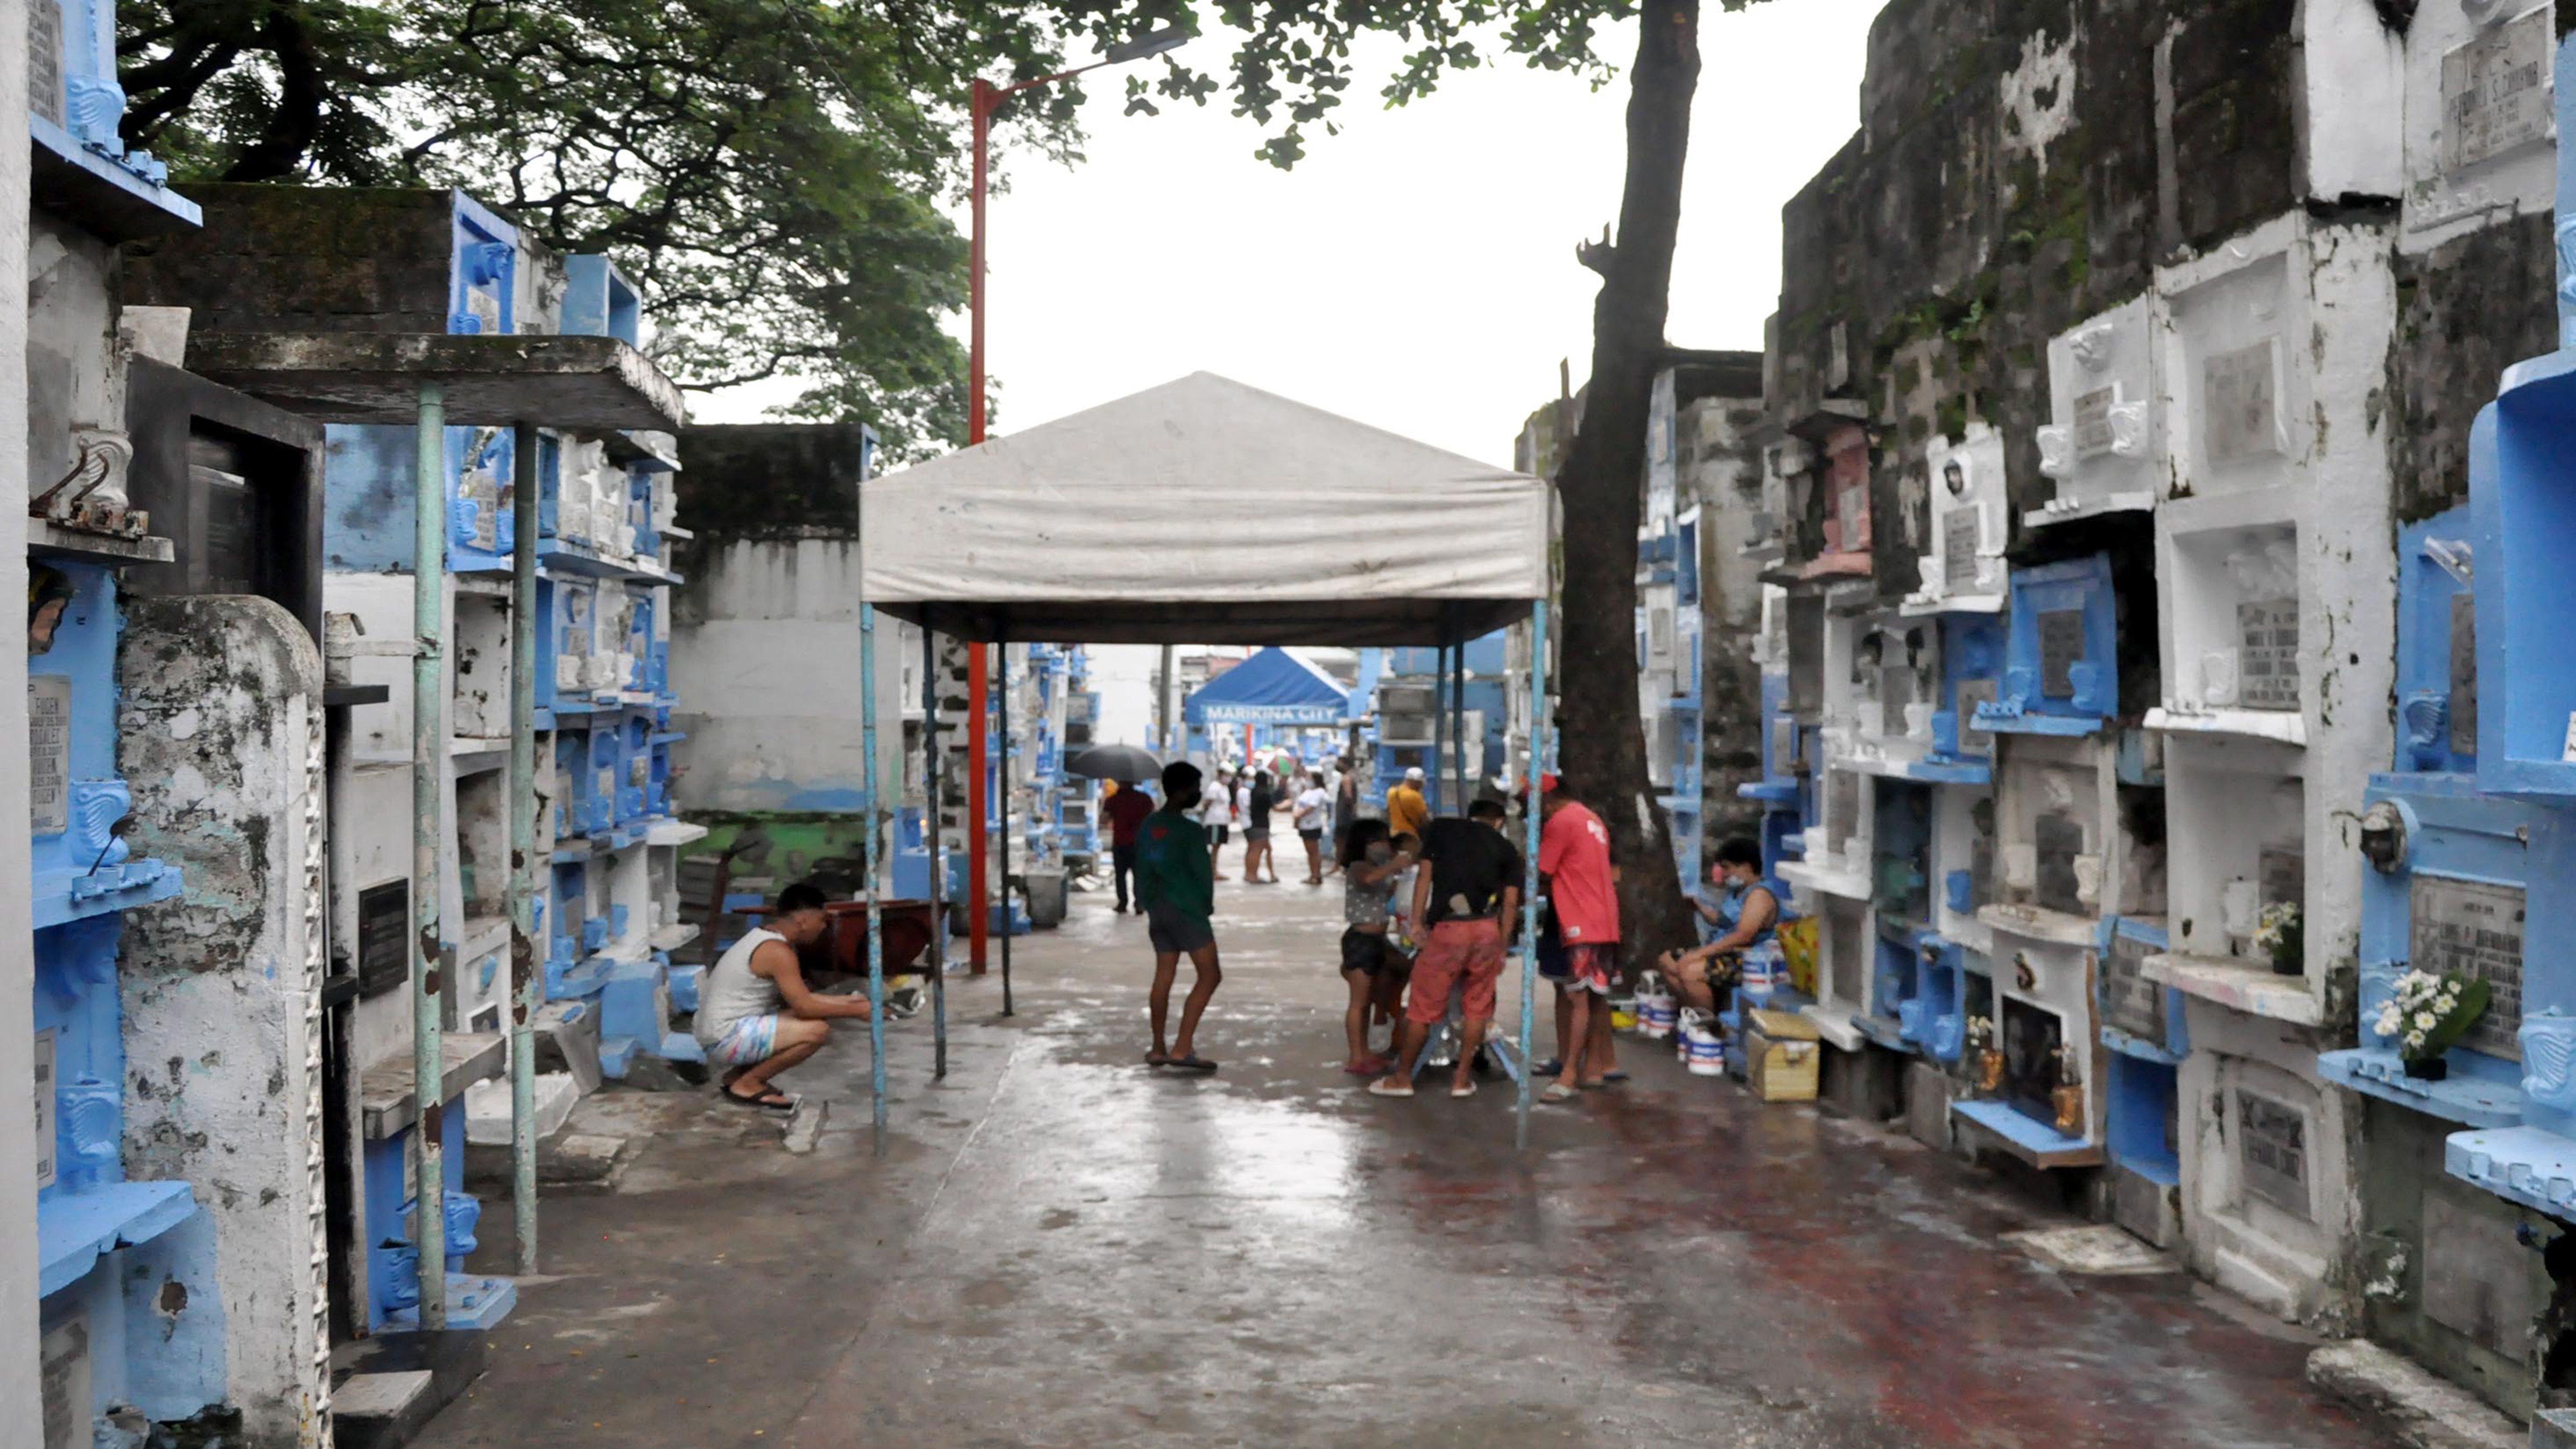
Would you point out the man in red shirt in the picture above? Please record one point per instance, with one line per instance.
(1574, 863)
(1125, 813)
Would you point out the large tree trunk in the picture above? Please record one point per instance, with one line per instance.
(1602, 746)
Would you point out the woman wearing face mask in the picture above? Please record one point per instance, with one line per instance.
(1744, 916)
(1371, 865)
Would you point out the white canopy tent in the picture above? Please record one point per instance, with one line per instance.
(1204, 511)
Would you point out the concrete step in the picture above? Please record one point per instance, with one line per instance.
(2421, 1411)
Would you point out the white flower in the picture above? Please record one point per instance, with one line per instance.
(2424, 1020)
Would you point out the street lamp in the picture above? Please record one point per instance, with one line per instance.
(984, 100)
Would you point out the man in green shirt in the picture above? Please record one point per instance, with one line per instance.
(1176, 884)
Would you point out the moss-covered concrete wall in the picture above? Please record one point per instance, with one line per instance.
(2021, 165)
(304, 259)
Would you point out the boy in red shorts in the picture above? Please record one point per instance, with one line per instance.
(1464, 894)
(1574, 859)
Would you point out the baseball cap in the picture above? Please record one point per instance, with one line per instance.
(1413, 773)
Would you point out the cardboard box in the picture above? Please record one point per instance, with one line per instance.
(1784, 1052)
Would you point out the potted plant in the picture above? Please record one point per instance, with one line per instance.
(1981, 1049)
(2282, 938)
(2426, 1014)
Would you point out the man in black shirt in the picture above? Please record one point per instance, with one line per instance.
(1464, 894)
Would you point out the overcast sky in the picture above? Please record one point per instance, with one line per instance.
(1415, 272)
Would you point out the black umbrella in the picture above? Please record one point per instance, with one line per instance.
(1126, 764)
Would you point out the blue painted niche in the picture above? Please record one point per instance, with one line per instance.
(2061, 670)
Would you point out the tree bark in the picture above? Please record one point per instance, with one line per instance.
(1602, 741)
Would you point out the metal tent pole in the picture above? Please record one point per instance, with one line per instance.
(930, 825)
(1458, 721)
(1439, 771)
(1529, 863)
(527, 983)
(428, 769)
(1010, 825)
(875, 863)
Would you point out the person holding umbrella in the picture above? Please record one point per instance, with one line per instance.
(1124, 766)
(1125, 813)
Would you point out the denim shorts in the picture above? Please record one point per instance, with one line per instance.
(1177, 932)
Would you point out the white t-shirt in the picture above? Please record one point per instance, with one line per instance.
(1243, 808)
(1215, 804)
(1312, 806)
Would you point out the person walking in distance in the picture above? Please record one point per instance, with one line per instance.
(1574, 860)
(1407, 813)
(1125, 812)
(1314, 809)
(1465, 892)
(1176, 880)
(1216, 808)
(1260, 802)
(756, 1016)
(1345, 784)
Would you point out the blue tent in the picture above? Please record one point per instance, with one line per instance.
(1273, 687)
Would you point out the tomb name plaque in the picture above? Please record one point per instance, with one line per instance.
(1959, 533)
(2496, 90)
(45, 1085)
(2238, 403)
(2476, 1281)
(1842, 809)
(2093, 422)
(2272, 1152)
(2061, 643)
(2130, 1001)
(1971, 693)
(2059, 839)
(2281, 873)
(2464, 673)
(384, 937)
(49, 753)
(2473, 928)
(2267, 658)
(1784, 746)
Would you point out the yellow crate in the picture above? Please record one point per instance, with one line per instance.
(1783, 1055)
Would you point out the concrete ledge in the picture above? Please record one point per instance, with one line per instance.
(2422, 1412)
(591, 384)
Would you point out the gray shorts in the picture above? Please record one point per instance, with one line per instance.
(1177, 932)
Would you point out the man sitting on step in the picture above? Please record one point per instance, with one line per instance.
(757, 1016)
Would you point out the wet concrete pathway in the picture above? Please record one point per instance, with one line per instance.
(1057, 1247)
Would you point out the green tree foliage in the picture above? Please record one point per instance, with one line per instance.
(766, 170)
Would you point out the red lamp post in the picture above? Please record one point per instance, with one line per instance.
(983, 101)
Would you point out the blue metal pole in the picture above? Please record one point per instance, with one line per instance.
(1529, 890)
(428, 769)
(875, 865)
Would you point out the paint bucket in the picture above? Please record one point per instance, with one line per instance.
(1655, 1016)
(1762, 971)
(1703, 1050)
(1623, 1013)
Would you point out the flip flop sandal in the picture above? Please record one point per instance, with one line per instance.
(1468, 1090)
(1559, 1092)
(1549, 1068)
(785, 1103)
(1390, 1087)
(1614, 1076)
(1158, 1059)
(1191, 1063)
